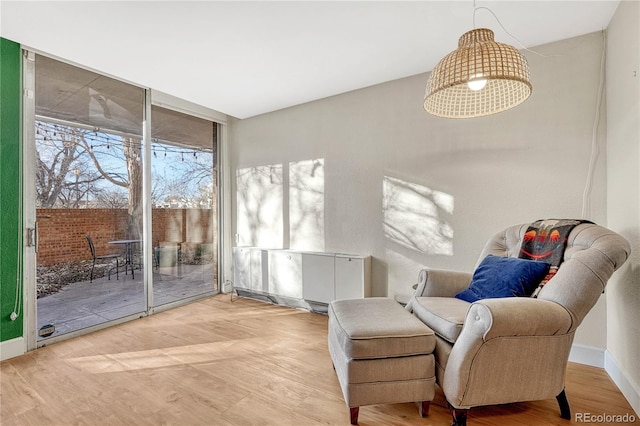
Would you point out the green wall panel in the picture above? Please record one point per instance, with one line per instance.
(10, 169)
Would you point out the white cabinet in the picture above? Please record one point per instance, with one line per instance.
(318, 277)
(285, 275)
(259, 269)
(242, 267)
(352, 277)
(250, 268)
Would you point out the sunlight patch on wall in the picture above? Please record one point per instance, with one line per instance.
(306, 205)
(417, 217)
(259, 206)
(403, 273)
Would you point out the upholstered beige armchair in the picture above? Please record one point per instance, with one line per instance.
(504, 350)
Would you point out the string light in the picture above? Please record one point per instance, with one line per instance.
(52, 137)
(94, 139)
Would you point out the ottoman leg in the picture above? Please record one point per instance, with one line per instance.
(354, 414)
(423, 408)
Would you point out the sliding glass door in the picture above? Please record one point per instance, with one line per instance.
(88, 197)
(184, 205)
(88, 169)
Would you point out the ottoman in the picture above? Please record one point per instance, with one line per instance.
(381, 353)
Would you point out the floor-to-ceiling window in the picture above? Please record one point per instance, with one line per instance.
(88, 197)
(184, 200)
(86, 166)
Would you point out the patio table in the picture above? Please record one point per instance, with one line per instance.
(128, 253)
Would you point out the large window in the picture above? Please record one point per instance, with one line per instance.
(184, 199)
(90, 201)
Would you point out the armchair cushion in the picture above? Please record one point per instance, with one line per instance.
(445, 315)
(498, 276)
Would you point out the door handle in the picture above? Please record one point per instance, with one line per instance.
(32, 237)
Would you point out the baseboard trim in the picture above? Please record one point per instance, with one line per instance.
(587, 355)
(12, 348)
(630, 390)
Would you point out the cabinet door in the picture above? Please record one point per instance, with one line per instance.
(285, 274)
(242, 267)
(349, 277)
(317, 277)
(259, 270)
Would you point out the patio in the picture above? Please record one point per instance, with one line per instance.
(84, 304)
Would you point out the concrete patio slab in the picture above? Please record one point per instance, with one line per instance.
(85, 304)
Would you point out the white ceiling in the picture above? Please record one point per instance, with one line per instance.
(248, 58)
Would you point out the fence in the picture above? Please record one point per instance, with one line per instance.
(61, 232)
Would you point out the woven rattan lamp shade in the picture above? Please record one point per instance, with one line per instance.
(478, 57)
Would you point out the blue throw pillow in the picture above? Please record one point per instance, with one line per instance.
(498, 276)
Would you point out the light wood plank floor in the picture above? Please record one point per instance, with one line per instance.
(217, 362)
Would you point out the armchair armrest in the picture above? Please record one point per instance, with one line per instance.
(440, 283)
(517, 316)
(535, 337)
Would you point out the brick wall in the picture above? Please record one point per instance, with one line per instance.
(61, 232)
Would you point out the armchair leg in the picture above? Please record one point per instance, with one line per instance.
(354, 414)
(565, 410)
(459, 416)
(423, 408)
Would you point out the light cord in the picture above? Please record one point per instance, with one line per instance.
(17, 304)
(475, 9)
(595, 151)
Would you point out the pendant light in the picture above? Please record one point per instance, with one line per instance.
(481, 77)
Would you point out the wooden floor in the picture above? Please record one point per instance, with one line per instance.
(217, 362)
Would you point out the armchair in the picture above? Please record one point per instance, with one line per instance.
(504, 350)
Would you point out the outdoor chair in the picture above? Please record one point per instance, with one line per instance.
(108, 257)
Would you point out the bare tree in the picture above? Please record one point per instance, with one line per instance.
(69, 164)
(75, 163)
(113, 199)
(188, 182)
(54, 160)
(132, 149)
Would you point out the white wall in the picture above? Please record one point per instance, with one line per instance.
(413, 190)
(623, 178)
